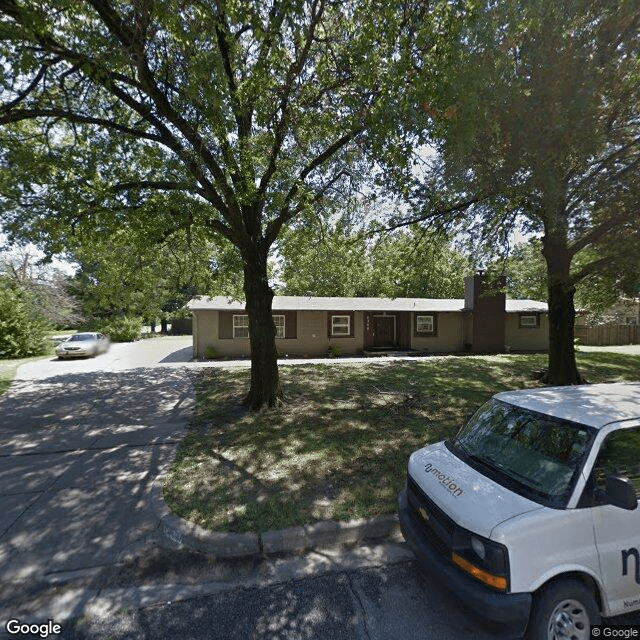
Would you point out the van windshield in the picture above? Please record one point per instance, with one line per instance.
(532, 453)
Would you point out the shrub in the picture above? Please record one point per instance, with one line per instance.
(335, 350)
(124, 329)
(210, 353)
(22, 330)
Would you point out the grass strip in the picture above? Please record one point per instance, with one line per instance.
(9, 368)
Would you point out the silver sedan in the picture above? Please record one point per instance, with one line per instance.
(82, 345)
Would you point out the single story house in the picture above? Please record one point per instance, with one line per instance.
(315, 326)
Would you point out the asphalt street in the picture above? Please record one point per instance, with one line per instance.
(383, 603)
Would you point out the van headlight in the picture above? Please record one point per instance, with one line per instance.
(484, 559)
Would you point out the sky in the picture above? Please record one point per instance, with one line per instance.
(11, 253)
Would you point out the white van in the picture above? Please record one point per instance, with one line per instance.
(530, 514)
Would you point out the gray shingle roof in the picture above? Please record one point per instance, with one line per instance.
(311, 303)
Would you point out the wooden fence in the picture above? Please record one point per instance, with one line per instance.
(605, 334)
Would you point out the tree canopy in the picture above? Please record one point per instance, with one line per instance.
(339, 258)
(539, 127)
(123, 275)
(30, 304)
(526, 272)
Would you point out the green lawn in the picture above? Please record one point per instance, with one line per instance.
(338, 447)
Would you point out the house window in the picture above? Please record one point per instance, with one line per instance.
(240, 326)
(279, 322)
(529, 321)
(424, 324)
(340, 325)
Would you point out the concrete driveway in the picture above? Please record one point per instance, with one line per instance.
(80, 445)
(154, 352)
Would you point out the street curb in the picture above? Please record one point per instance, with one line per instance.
(175, 531)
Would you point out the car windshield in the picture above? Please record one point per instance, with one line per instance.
(533, 453)
(81, 337)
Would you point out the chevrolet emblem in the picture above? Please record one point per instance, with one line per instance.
(423, 513)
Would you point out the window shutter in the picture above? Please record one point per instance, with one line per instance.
(291, 324)
(225, 325)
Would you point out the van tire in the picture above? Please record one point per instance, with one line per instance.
(569, 606)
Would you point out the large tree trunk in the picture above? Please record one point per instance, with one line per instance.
(562, 357)
(265, 384)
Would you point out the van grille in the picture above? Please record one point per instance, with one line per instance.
(438, 526)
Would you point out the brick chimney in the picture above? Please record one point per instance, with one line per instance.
(486, 301)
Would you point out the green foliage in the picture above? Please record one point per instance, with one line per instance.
(210, 353)
(538, 126)
(339, 259)
(526, 272)
(236, 128)
(133, 275)
(527, 278)
(232, 118)
(22, 330)
(123, 329)
(45, 287)
(542, 129)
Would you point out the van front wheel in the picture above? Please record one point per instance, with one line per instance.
(564, 610)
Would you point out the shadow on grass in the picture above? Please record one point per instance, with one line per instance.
(338, 447)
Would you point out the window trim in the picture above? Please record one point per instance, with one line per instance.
(283, 326)
(434, 325)
(349, 327)
(240, 326)
(424, 318)
(535, 316)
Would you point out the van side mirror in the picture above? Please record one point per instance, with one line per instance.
(621, 492)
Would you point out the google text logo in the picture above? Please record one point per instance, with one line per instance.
(44, 630)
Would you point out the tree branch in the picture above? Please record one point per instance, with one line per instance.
(591, 268)
(22, 95)
(274, 227)
(435, 213)
(148, 84)
(596, 233)
(16, 115)
(160, 185)
(294, 70)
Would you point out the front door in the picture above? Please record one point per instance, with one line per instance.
(618, 530)
(384, 331)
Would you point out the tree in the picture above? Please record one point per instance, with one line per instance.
(22, 324)
(413, 263)
(325, 258)
(123, 276)
(526, 271)
(541, 125)
(343, 259)
(46, 289)
(233, 116)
